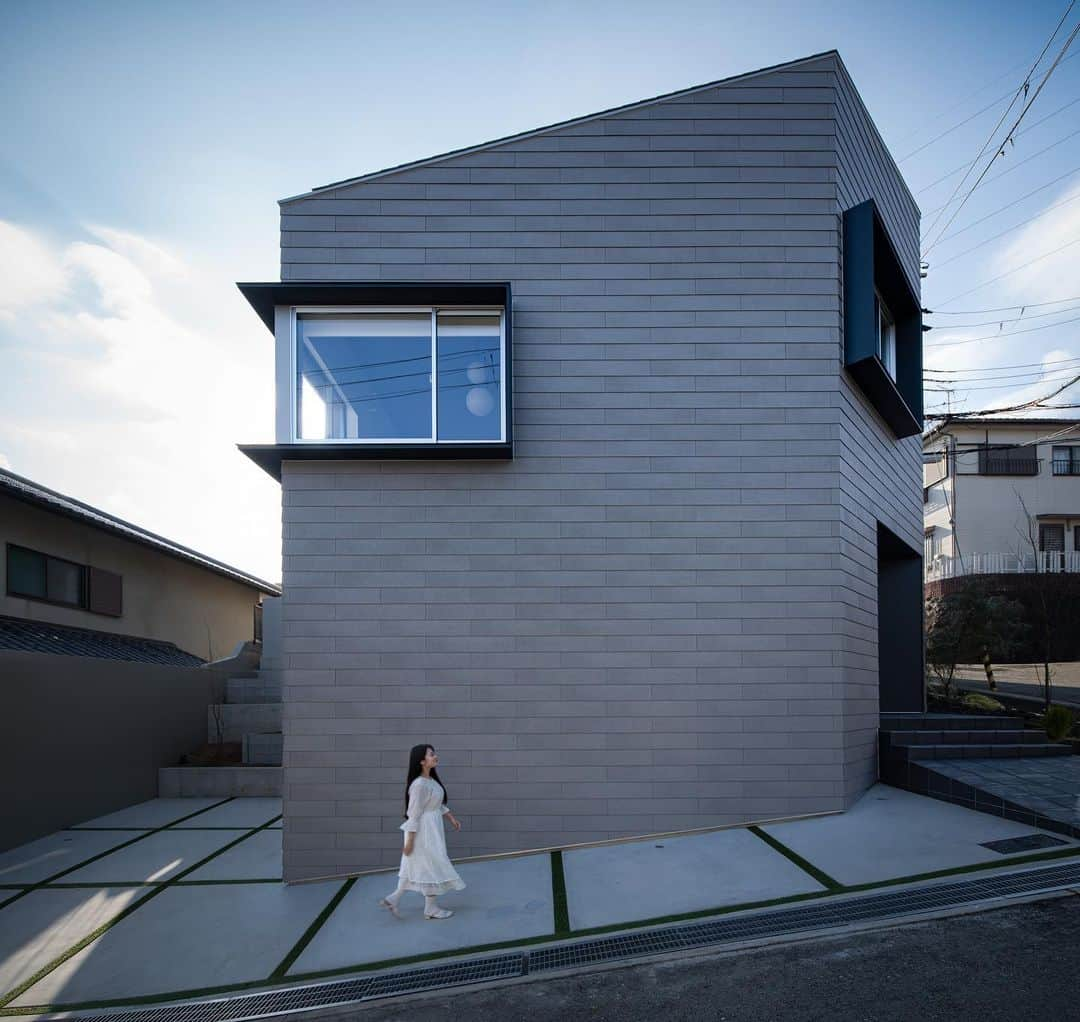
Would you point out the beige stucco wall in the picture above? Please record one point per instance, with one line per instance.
(165, 598)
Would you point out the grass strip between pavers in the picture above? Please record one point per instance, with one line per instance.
(123, 913)
(558, 894)
(298, 978)
(819, 875)
(309, 934)
(143, 834)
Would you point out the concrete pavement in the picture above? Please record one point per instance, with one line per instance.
(187, 900)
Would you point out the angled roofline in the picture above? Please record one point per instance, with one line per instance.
(20, 488)
(637, 104)
(990, 420)
(877, 134)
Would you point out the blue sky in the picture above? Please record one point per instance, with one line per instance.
(145, 146)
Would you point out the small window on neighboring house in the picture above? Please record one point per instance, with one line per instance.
(1052, 537)
(41, 577)
(1066, 461)
(926, 494)
(886, 336)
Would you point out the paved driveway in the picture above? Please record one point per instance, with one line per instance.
(176, 898)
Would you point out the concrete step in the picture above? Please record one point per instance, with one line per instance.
(263, 750)
(259, 687)
(948, 722)
(972, 750)
(996, 736)
(221, 782)
(239, 719)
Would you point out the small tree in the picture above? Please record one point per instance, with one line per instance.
(968, 623)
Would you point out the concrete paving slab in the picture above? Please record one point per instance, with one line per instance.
(157, 812)
(892, 833)
(647, 879)
(47, 856)
(41, 926)
(186, 938)
(505, 899)
(155, 858)
(240, 812)
(255, 858)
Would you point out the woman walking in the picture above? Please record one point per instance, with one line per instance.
(425, 866)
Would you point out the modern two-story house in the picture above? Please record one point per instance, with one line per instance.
(600, 472)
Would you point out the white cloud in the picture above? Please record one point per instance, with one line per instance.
(131, 379)
(29, 273)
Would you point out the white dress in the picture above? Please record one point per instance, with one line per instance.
(427, 868)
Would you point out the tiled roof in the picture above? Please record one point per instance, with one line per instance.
(34, 493)
(41, 637)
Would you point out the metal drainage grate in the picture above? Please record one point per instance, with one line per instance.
(1012, 845)
(792, 920)
(831, 912)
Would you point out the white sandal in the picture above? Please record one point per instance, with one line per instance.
(390, 907)
(439, 913)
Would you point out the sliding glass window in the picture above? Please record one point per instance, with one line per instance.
(414, 376)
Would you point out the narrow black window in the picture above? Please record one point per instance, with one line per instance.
(1052, 538)
(38, 576)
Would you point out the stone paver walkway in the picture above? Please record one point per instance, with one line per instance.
(177, 898)
(1048, 786)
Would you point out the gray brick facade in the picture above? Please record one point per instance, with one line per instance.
(661, 614)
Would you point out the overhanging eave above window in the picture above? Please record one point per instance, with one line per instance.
(397, 370)
(265, 297)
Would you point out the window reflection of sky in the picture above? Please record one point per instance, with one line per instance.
(469, 375)
(369, 378)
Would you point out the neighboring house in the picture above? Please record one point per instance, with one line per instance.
(1001, 496)
(76, 580)
(600, 471)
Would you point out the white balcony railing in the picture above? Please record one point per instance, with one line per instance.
(1001, 564)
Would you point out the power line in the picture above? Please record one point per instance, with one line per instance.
(959, 124)
(1021, 365)
(1003, 334)
(1015, 166)
(1004, 308)
(1038, 402)
(1004, 319)
(1015, 202)
(1023, 89)
(1026, 380)
(970, 96)
(1007, 273)
(1008, 230)
(1000, 151)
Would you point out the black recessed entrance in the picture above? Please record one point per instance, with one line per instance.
(901, 671)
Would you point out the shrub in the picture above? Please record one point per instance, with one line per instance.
(1058, 722)
(977, 701)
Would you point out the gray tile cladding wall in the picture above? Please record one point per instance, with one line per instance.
(661, 614)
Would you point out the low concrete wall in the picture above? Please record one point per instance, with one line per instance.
(80, 737)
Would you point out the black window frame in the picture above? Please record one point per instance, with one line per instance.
(871, 267)
(1072, 462)
(84, 576)
(995, 460)
(1043, 528)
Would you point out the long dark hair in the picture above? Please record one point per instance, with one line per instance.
(416, 754)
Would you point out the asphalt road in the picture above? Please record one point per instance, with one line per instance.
(1010, 964)
(1022, 680)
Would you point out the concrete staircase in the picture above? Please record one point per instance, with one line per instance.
(911, 744)
(251, 715)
